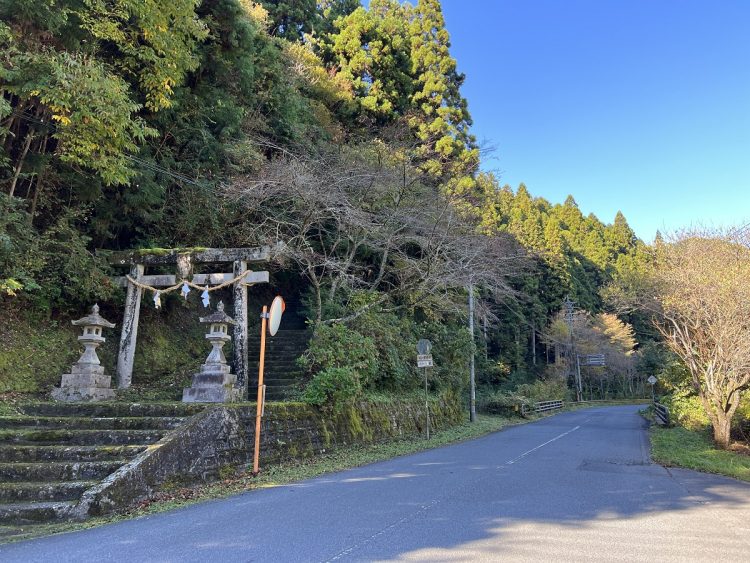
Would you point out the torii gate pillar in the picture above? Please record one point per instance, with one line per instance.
(239, 340)
(129, 334)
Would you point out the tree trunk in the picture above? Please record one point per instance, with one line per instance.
(720, 414)
(17, 172)
(722, 427)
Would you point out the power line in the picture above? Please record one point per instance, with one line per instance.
(153, 166)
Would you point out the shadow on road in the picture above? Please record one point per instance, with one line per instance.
(577, 486)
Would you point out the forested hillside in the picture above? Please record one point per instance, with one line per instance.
(336, 129)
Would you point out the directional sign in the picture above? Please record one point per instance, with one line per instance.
(424, 361)
(652, 380)
(594, 360)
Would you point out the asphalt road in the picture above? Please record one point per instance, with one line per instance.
(578, 486)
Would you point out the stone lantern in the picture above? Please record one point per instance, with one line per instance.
(214, 383)
(86, 380)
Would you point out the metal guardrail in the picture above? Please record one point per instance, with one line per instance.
(623, 401)
(542, 406)
(662, 413)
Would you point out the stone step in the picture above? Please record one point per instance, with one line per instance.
(289, 357)
(291, 370)
(281, 336)
(36, 453)
(268, 368)
(289, 333)
(276, 381)
(35, 491)
(92, 423)
(276, 384)
(283, 331)
(276, 356)
(53, 436)
(273, 387)
(279, 340)
(290, 361)
(280, 387)
(279, 343)
(57, 470)
(279, 395)
(277, 374)
(24, 513)
(110, 410)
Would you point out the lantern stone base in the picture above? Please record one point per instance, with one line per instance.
(213, 384)
(86, 383)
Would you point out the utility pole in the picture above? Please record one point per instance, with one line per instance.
(575, 369)
(472, 382)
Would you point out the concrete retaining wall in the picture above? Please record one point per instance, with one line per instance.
(222, 437)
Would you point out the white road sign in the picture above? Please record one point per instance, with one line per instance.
(424, 361)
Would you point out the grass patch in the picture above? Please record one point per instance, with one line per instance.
(275, 475)
(678, 447)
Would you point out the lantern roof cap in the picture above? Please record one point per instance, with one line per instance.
(93, 319)
(219, 316)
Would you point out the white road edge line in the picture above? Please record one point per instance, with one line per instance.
(512, 461)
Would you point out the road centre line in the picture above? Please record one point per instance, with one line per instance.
(512, 461)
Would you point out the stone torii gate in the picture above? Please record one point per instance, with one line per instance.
(138, 260)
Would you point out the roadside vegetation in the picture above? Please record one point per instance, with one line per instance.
(694, 449)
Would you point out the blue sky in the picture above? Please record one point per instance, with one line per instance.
(636, 105)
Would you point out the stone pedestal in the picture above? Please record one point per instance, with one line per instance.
(214, 383)
(86, 380)
(84, 384)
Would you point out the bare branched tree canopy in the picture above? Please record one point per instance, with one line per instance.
(356, 218)
(701, 288)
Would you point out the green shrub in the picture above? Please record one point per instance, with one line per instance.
(334, 386)
(394, 340)
(505, 403)
(338, 346)
(686, 410)
(554, 389)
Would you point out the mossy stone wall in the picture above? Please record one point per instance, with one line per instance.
(298, 430)
(222, 437)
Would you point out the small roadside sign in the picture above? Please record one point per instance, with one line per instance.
(652, 380)
(424, 347)
(424, 361)
(595, 360)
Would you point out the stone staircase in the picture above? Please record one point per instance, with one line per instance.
(52, 452)
(281, 373)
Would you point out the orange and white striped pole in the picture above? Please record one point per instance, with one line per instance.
(261, 389)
